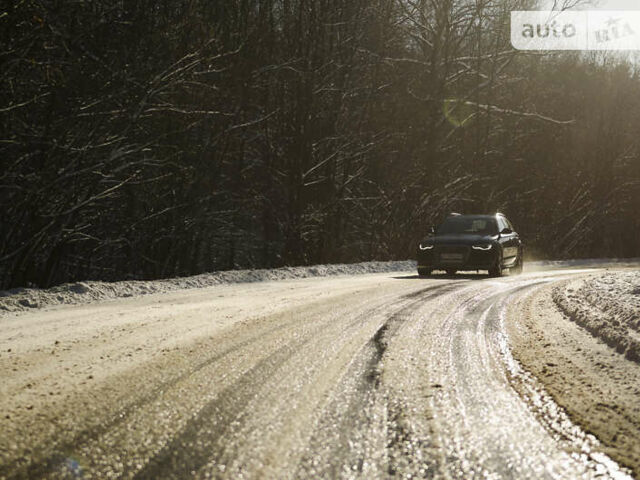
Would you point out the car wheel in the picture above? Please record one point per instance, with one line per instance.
(424, 272)
(496, 270)
(451, 273)
(517, 269)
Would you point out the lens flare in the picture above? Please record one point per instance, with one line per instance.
(457, 112)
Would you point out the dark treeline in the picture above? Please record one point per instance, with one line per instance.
(159, 138)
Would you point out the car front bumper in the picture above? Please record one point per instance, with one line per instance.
(456, 257)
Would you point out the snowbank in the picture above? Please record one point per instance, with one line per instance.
(607, 304)
(20, 299)
(582, 262)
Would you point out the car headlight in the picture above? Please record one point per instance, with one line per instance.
(425, 247)
(482, 247)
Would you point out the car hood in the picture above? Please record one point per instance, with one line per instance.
(461, 239)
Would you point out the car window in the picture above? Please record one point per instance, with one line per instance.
(469, 225)
(509, 224)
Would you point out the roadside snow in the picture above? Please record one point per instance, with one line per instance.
(20, 299)
(582, 262)
(607, 304)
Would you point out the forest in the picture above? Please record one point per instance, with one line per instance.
(152, 139)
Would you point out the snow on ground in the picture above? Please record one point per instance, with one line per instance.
(582, 262)
(607, 304)
(20, 299)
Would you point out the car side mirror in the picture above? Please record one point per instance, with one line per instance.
(432, 230)
(506, 231)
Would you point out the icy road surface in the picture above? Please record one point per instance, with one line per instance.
(370, 376)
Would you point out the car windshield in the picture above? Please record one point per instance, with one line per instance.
(470, 225)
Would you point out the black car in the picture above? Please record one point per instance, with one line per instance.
(471, 242)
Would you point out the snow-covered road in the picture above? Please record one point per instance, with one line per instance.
(359, 376)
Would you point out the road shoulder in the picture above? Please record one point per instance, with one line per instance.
(598, 387)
